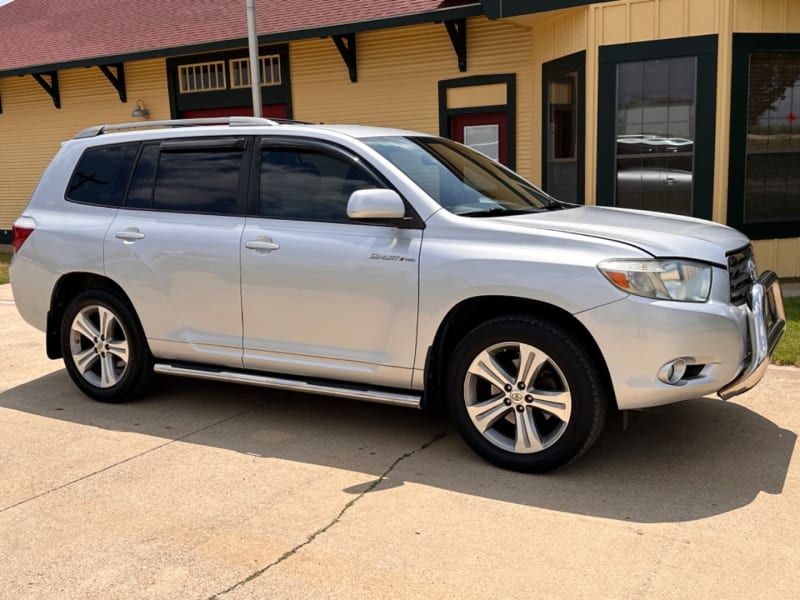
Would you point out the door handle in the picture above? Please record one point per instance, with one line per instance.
(264, 244)
(130, 235)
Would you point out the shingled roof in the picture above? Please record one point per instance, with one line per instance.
(42, 35)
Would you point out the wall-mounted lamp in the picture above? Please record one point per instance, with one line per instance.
(140, 111)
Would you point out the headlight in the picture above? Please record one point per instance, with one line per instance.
(663, 279)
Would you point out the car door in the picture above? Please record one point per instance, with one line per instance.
(323, 295)
(174, 247)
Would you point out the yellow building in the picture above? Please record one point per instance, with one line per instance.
(684, 106)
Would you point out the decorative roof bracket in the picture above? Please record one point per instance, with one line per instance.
(346, 44)
(118, 80)
(50, 87)
(457, 30)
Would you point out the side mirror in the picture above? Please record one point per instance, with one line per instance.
(375, 204)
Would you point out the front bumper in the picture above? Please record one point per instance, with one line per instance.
(726, 346)
(766, 323)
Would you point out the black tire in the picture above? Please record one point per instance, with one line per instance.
(536, 425)
(104, 348)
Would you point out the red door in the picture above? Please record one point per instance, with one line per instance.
(484, 132)
(277, 111)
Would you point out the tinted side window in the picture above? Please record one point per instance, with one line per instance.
(140, 192)
(308, 184)
(101, 175)
(203, 181)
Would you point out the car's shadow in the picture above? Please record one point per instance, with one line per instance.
(677, 463)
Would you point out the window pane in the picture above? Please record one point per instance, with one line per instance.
(140, 194)
(308, 184)
(772, 179)
(655, 121)
(198, 181)
(562, 136)
(102, 175)
(484, 139)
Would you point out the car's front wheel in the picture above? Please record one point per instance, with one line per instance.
(105, 351)
(525, 395)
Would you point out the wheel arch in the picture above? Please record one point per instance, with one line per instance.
(66, 288)
(471, 312)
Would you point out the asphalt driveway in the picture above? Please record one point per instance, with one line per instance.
(208, 490)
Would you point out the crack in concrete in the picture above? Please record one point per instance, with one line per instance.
(289, 553)
(130, 458)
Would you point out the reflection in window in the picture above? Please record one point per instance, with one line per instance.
(772, 188)
(101, 175)
(655, 132)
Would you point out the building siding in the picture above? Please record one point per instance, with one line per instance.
(760, 16)
(398, 75)
(31, 128)
(563, 34)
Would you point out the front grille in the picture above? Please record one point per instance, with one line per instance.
(740, 274)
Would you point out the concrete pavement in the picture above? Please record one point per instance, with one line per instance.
(208, 490)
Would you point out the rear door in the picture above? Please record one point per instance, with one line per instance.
(174, 247)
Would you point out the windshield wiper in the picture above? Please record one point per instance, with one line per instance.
(499, 210)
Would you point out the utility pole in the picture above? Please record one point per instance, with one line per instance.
(255, 64)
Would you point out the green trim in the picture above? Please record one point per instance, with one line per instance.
(434, 16)
(498, 9)
(702, 47)
(510, 108)
(743, 45)
(561, 66)
(274, 94)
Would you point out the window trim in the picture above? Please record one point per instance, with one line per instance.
(262, 60)
(509, 108)
(743, 45)
(704, 48)
(192, 70)
(561, 66)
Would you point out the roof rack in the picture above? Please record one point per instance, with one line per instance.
(230, 121)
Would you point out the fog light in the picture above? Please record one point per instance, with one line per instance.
(673, 371)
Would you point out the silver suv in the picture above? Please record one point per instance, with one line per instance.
(380, 265)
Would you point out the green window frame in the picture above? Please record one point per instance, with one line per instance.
(565, 67)
(744, 47)
(704, 50)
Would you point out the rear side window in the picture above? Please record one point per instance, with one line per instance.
(102, 175)
(202, 176)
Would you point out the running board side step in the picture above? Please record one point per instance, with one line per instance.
(293, 385)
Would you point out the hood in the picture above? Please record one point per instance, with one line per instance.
(659, 234)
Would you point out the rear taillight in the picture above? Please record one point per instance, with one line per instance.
(21, 231)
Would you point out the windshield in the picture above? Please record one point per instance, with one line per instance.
(463, 181)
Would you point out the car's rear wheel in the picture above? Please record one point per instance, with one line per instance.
(525, 395)
(105, 351)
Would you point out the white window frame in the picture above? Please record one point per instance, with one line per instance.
(267, 63)
(195, 72)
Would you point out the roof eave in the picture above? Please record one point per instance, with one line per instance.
(435, 16)
(499, 9)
